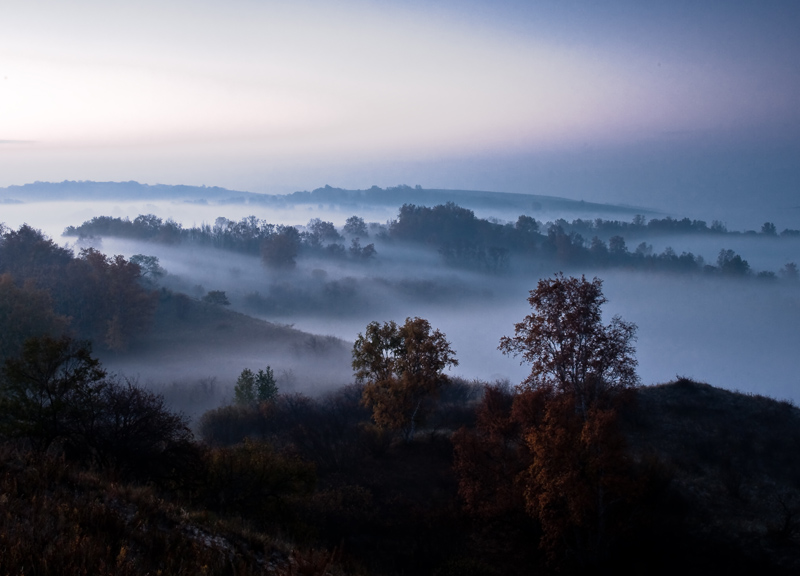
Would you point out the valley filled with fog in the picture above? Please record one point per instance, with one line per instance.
(265, 267)
(737, 333)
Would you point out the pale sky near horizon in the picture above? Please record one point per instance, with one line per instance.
(280, 96)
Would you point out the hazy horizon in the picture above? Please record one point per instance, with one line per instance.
(678, 106)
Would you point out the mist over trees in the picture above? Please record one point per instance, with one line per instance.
(324, 287)
(409, 469)
(461, 239)
(254, 388)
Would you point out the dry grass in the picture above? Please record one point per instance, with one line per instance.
(57, 519)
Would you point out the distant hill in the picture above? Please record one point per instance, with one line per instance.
(88, 190)
(473, 199)
(375, 196)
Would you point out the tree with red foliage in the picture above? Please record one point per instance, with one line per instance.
(554, 448)
(579, 483)
(568, 346)
(487, 460)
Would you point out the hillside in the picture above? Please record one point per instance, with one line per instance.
(721, 497)
(57, 519)
(194, 342)
(714, 474)
(731, 474)
(472, 199)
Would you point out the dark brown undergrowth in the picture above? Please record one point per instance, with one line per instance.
(56, 518)
(317, 490)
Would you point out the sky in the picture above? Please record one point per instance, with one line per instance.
(691, 106)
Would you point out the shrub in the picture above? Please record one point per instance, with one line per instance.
(57, 393)
(256, 481)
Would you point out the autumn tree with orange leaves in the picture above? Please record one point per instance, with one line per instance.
(402, 369)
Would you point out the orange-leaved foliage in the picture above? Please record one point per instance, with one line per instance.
(402, 368)
(568, 346)
(580, 484)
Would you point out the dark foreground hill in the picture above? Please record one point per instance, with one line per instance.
(731, 472)
(56, 518)
(723, 498)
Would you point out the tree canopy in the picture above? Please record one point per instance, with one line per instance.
(253, 388)
(401, 368)
(567, 344)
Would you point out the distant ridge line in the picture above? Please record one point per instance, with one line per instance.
(71, 190)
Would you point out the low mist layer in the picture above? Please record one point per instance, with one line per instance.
(713, 304)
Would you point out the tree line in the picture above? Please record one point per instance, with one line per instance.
(47, 289)
(639, 226)
(277, 244)
(462, 240)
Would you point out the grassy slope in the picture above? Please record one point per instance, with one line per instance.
(734, 474)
